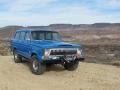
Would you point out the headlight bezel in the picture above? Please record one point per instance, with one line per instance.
(79, 52)
(46, 54)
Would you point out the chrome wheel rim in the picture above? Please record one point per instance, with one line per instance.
(35, 65)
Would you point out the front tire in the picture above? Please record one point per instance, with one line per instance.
(37, 67)
(71, 66)
(17, 58)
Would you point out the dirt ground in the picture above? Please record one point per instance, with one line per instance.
(87, 77)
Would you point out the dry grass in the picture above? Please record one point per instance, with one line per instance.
(4, 48)
(116, 63)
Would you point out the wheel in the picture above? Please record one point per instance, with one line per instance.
(17, 58)
(71, 66)
(37, 67)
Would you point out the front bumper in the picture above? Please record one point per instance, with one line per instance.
(63, 54)
(62, 59)
(80, 59)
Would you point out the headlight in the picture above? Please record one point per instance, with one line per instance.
(46, 54)
(79, 52)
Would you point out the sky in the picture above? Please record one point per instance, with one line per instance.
(45, 12)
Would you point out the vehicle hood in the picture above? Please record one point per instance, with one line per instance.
(54, 44)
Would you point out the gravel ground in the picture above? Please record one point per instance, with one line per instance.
(87, 77)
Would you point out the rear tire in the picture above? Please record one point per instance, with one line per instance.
(17, 58)
(37, 67)
(71, 66)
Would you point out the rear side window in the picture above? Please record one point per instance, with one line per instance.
(22, 35)
(17, 35)
(27, 36)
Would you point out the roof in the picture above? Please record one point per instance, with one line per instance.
(32, 29)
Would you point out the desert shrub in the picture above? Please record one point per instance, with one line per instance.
(4, 48)
(116, 63)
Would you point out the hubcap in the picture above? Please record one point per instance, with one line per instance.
(35, 65)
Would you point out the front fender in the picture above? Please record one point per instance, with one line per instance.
(38, 52)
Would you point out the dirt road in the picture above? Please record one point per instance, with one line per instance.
(87, 77)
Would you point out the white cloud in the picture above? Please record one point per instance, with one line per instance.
(4, 1)
(26, 5)
(17, 14)
(108, 3)
(75, 15)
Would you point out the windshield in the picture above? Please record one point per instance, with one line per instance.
(46, 35)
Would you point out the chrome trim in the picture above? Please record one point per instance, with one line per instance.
(62, 49)
(77, 55)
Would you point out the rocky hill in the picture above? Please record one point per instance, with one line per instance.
(8, 31)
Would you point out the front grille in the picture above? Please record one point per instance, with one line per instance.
(63, 52)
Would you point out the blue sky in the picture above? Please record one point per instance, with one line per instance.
(45, 12)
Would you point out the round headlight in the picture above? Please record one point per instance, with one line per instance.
(79, 52)
(46, 54)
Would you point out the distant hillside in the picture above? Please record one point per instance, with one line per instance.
(8, 31)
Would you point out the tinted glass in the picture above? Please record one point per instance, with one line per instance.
(47, 35)
(27, 36)
(56, 37)
(38, 35)
(17, 35)
(22, 35)
(41, 36)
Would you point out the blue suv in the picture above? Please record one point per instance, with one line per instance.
(44, 47)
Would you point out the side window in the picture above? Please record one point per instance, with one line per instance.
(17, 35)
(27, 36)
(22, 35)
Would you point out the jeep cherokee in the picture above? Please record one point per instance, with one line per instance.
(42, 47)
